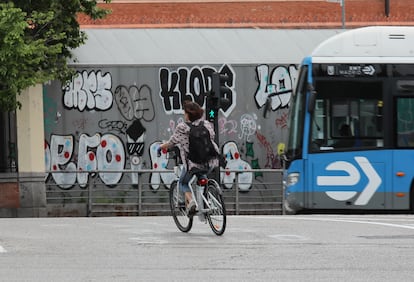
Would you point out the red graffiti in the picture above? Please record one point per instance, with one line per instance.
(282, 121)
(270, 156)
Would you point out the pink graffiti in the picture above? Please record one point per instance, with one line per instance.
(227, 126)
(173, 124)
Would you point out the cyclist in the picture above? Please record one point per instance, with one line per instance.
(195, 114)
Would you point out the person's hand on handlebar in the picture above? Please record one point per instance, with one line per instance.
(162, 147)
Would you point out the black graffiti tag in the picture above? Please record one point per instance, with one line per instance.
(193, 84)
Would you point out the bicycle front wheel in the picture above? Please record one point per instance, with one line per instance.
(216, 215)
(178, 211)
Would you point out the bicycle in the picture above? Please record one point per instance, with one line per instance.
(208, 196)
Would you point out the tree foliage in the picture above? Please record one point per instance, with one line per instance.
(36, 40)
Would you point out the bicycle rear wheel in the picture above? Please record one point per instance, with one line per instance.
(178, 211)
(217, 212)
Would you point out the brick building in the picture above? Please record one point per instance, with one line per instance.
(254, 14)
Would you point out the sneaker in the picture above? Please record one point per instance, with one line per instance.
(191, 208)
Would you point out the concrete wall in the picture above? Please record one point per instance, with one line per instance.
(110, 118)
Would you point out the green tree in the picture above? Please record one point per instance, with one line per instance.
(36, 40)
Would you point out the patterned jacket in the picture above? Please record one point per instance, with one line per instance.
(180, 139)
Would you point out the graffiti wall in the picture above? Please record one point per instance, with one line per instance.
(112, 119)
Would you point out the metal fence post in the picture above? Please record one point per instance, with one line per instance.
(112, 201)
(284, 160)
(90, 199)
(139, 197)
(237, 193)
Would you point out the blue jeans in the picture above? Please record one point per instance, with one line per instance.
(184, 179)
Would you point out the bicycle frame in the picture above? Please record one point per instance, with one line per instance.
(197, 191)
(207, 195)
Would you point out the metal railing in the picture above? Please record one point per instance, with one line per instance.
(263, 194)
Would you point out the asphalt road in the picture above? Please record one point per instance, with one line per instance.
(253, 248)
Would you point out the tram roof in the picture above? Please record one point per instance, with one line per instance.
(106, 47)
(374, 44)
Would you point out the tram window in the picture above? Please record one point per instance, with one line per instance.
(348, 122)
(318, 134)
(405, 122)
(358, 123)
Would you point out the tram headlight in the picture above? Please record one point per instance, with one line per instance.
(292, 179)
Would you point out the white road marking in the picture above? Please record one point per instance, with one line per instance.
(152, 241)
(287, 237)
(293, 217)
(2, 250)
(359, 221)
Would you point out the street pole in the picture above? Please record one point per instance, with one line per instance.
(387, 8)
(214, 103)
(217, 140)
(342, 3)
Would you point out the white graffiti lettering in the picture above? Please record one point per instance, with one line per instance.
(87, 158)
(109, 156)
(159, 164)
(278, 87)
(89, 91)
(234, 162)
(61, 150)
(248, 127)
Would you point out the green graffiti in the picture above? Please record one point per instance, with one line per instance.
(50, 112)
(255, 165)
(249, 149)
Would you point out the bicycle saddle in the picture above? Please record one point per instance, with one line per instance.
(199, 171)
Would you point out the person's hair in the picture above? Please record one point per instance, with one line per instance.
(193, 110)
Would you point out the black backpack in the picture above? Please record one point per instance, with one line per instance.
(201, 149)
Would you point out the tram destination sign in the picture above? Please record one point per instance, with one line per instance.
(349, 70)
